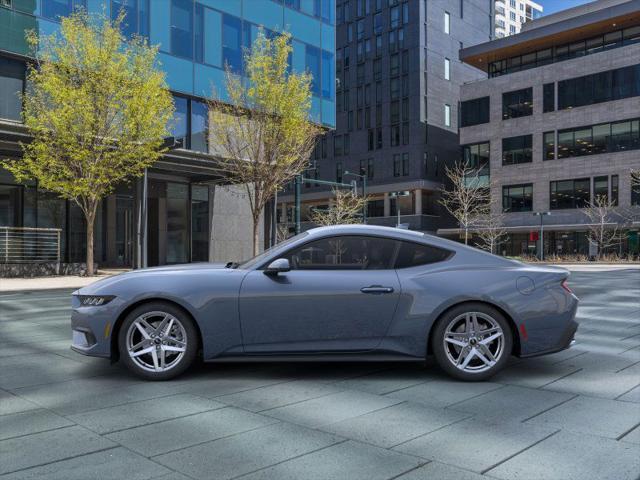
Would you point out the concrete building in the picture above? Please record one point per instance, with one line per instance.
(398, 81)
(557, 122)
(189, 217)
(511, 15)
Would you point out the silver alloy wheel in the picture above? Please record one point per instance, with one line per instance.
(474, 342)
(156, 341)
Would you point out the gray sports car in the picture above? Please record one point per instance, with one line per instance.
(333, 293)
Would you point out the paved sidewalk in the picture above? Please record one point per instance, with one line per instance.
(571, 415)
(53, 282)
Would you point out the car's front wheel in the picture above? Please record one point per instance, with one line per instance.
(157, 341)
(472, 341)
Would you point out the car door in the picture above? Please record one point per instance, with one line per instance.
(339, 296)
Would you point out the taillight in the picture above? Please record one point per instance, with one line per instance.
(565, 285)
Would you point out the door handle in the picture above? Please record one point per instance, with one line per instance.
(376, 289)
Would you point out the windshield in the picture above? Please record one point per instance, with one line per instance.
(260, 258)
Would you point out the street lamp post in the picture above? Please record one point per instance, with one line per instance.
(364, 193)
(541, 215)
(396, 195)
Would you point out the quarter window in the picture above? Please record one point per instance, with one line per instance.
(415, 254)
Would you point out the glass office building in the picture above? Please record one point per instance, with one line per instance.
(196, 40)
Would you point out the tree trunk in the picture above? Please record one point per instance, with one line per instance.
(256, 236)
(90, 222)
(466, 236)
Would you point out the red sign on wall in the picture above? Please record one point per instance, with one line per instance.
(533, 236)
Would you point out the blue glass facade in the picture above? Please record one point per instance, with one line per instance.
(197, 38)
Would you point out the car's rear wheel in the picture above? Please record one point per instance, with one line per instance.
(158, 341)
(472, 341)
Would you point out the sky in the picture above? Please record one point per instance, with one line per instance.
(552, 6)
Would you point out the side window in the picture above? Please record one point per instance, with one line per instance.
(414, 254)
(344, 253)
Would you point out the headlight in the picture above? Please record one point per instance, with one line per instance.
(94, 300)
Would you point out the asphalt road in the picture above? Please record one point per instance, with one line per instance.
(572, 415)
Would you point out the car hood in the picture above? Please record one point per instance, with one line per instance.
(100, 285)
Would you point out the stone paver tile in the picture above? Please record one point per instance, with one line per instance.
(45, 447)
(397, 424)
(596, 416)
(633, 436)
(599, 362)
(596, 384)
(631, 396)
(569, 456)
(441, 393)
(474, 445)
(25, 423)
(112, 464)
(10, 403)
(440, 471)
(391, 380)
(333, 372)
(25, 370)
(511, 403)
(533, 373)
(236, 382)
(184, 432)
(279, 395)
(247, 452)
(141, 413)
(351, 460)
(331, 408)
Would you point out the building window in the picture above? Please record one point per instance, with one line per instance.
(405, 133)
(570, 193)
(518, 103)
(378, 138)
(517, 198)
(312, 61)
(548, 97)
(447, 115)
(136, 16)
(12, 78)
(405, 164)
(394, 65)
(447, 23)
(394, 17)
(614, 189)
(635, 192)
(477, 156)
(395, 135)
(370, 170)
(53, 9)
(346, 144)
(601, 188)
(474, 112)
(600, 87)
(516, 150)
(370, 139)
(182, 29)
(199, 126)
(447, 69)
(602, 138)
(377, 23)
(337, 145)
(231, 42)
(339, 172)
(180, 129)
(396, 165)
(549, 145)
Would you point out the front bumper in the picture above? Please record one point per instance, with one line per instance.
(91, 328)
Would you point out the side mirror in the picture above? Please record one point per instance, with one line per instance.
(279, 265)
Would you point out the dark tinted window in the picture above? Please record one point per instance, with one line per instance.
(548, 97)
(414, 254)
(518, 103)
(344, 253)
(474, 112)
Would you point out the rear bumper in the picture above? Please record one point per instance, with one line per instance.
(565, 341)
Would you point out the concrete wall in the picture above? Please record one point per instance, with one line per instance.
(231, 225)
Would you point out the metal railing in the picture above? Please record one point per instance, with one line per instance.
(29, 245)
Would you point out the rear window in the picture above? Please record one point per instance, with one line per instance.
(415, 254)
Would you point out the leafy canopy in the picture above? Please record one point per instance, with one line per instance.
(97, 107)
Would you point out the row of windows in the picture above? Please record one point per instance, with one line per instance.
(560, 53)
(599, 87)
(397, 12)
(564, 194)
(321, 9)
(362, 253)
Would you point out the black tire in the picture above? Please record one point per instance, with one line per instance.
(190, 333)
(446, 359)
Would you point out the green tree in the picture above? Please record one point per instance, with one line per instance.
(261, 129)
(97, 108)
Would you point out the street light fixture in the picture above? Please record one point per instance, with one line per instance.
(541, 215)
(404, 193)
(364, 193)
